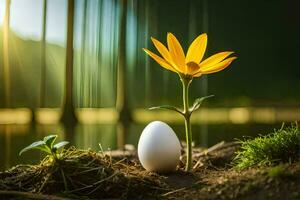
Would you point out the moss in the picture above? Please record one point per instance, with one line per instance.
(281, 172)
(281, 146)
(276, 172)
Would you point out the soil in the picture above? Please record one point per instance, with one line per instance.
(119, 175)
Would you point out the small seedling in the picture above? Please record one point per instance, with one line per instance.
(281, 146)
(47, 145)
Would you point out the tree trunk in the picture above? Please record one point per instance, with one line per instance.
(43, 58)
(122, 104)
(42, 98)
(68, 118)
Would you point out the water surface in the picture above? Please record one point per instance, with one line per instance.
(88, 136)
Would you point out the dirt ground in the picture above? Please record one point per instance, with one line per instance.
(212, 178)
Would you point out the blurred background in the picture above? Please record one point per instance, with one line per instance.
(76, 68)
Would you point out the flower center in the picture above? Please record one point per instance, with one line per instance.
(192, 67)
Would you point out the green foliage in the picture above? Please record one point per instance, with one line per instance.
(197, 103)
(167, 107)
(281, 146)
(46, 145)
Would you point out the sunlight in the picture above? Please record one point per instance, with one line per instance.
(239, 115)
(2, 11)
(26, 19)
(15, 116)
(48, 115)
(110, 115)
(94, 116)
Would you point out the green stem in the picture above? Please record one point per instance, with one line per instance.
(187, 114)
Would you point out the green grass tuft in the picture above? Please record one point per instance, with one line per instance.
(281, 146)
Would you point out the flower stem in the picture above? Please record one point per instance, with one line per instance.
(187, 114)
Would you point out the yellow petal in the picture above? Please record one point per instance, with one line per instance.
(197, 49)
(218, 67)
(162, 49)
(176, 52)
(198, 74)
(214, 59)
(159, 60)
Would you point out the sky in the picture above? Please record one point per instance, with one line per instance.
(27, 15)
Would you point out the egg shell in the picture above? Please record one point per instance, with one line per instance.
(159, 148)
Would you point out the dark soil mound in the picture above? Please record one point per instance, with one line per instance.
(84, 173)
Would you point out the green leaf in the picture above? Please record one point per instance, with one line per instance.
(60, 144)
(167, 107)
(198, 102)
(41, 145)
(49, 140)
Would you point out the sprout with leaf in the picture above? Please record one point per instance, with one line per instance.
(47, 145)
(188, 67)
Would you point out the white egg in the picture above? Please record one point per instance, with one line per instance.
(159, 148)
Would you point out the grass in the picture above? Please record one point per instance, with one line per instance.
(281, 146)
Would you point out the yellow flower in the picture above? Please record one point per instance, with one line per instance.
(174, 59)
